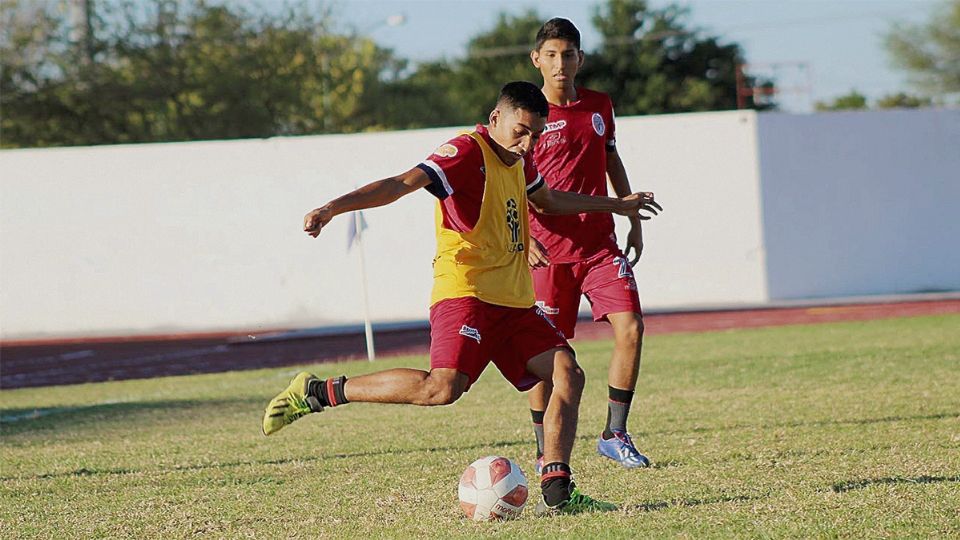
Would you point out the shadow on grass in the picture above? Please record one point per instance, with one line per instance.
(83, 471)
(54, 418)
(681, 503)
(812, 423)
(841, 487)
(29, 419)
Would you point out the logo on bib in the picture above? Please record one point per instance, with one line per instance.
(598, 125)
(513, 226)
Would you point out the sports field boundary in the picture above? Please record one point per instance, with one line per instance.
(37, 362)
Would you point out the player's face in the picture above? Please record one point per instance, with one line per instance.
(516, 131)
(558, 61)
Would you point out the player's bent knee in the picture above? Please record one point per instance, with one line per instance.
(630, 332)
(567, 372)
(442, 393)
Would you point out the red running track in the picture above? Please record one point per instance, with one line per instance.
(55, 362)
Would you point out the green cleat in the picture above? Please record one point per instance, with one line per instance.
(577, 503)
(290, 404)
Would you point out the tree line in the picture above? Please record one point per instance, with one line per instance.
(88, 72)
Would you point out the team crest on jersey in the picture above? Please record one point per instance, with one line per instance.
(598, 124)
(471, 333)
(447, 150)
(554, 126)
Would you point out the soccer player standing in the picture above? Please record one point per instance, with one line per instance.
(482, 304)
(577, 153)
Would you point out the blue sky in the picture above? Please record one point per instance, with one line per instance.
(818, 48)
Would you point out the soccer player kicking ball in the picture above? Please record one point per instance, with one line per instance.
(482, 305)
(577, 153)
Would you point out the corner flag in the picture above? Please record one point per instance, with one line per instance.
(355, 228)
(355, 235)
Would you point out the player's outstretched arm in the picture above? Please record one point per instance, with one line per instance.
(617, 174)
(549, 201)
(379, 193)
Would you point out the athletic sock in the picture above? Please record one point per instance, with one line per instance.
(538, 430)
(618, 407)
(329, 391)
(555, 483)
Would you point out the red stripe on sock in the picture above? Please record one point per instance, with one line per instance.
(554, 474)
(331, 396)
(618, 402)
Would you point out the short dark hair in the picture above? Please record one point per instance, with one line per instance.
(558, 28)
(523, 95)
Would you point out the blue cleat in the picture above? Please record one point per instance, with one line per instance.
(620, 448)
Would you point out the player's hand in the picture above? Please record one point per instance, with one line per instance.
(634, 243)
(314, 221)
(632, 204)
(537, 256)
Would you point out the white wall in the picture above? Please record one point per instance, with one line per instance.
(706, 247)
(859, 203)
(207, 236)
(171, 237)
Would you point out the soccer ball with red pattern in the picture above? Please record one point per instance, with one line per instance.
(492, 488)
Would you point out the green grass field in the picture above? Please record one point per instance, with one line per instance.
(838, 430)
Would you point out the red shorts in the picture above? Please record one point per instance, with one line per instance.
(605, 279)
(466, 334)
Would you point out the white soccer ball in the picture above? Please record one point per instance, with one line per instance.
(492, 488)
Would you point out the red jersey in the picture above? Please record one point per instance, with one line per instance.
(458, 177)
(572, 156)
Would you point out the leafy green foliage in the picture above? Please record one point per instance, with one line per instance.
(931, 51)
(903, 100)
(854, 101)
(650, 62)
(158, 70)
(170, 71)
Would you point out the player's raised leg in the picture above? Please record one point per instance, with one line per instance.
(307, 394)
(439, 386)
(559, 366)
(615, 441)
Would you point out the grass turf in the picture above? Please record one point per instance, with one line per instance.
(834, 430)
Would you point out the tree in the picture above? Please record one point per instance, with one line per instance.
(901, 100)
(649, 62)
(181, 70)
(931, 51)
(494, 57)
(421, 99)
(853, 101)
(124, 71)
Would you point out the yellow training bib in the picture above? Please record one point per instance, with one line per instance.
(490, 261)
